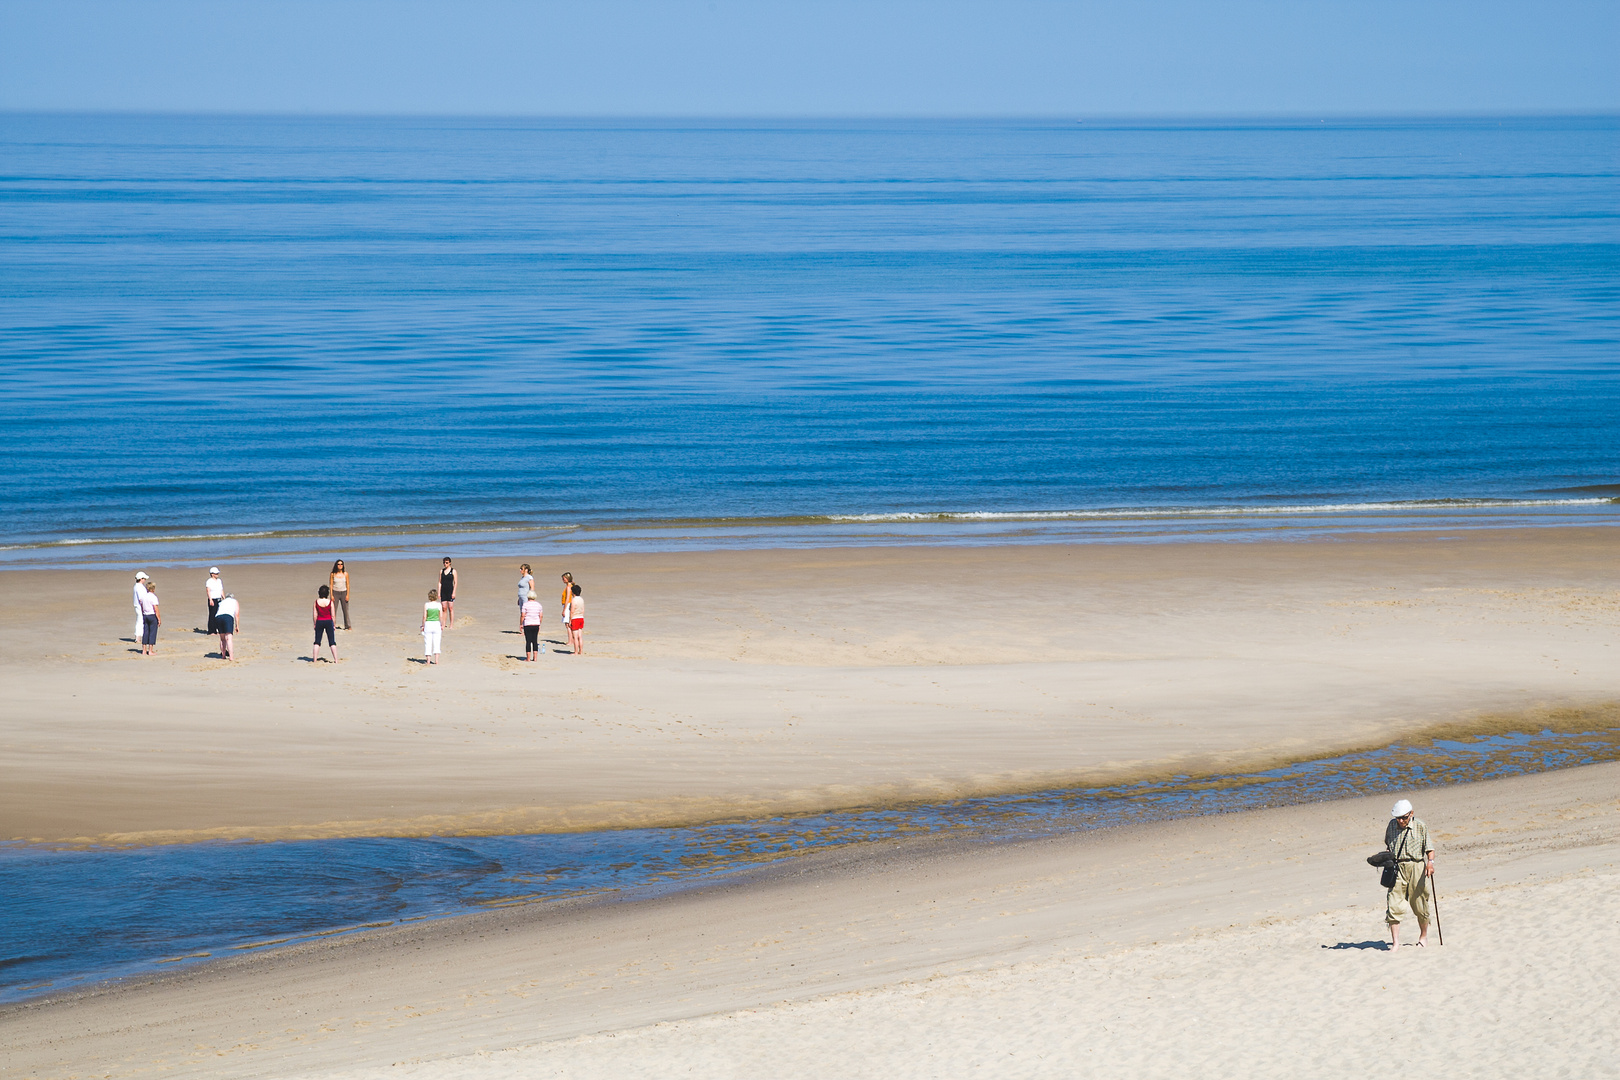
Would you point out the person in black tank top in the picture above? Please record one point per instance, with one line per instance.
(447, 591)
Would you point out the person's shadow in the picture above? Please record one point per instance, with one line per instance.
(1359, 945)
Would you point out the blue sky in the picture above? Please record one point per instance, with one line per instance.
(827, 58)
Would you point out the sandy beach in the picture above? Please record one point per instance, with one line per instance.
(1243, 944)
(729, 685)
(737, 684)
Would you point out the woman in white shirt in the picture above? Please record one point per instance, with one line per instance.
(215, 590)
(140, 587)
(229, 621)
(150, 620)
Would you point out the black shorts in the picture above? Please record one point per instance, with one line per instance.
(324, 626)
(226, 624)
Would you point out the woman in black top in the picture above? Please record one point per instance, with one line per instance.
(447, 591)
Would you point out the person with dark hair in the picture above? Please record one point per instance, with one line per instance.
(447, 592)
(338, 582)
(324, 613)
(576, 621)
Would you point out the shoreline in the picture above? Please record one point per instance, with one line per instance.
(858, 927)
(734, 685)
(1232, 523)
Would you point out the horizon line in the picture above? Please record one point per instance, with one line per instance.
(1043, 117)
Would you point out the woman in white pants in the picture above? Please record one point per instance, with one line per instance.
(140, 620)
(432, 627)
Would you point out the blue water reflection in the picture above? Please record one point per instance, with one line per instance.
(76, 916)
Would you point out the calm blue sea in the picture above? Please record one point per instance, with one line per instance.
(228, 337)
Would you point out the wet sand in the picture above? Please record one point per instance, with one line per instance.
(727, 685)
(1243, 945)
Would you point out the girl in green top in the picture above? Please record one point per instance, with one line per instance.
(431, 626)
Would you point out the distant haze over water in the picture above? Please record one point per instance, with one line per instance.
(287, 337)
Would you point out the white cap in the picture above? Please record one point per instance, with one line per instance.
(140, 575)
(213, 569)
(1401, 809)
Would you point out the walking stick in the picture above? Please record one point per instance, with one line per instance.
(1434, 894)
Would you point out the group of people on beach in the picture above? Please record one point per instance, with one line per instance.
(438, 614)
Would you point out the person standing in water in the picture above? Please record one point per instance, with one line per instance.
(229, 621)
(530, 616)
(140, 587)
(447, 592)
(1407, 840)
(431, 628)
(214, 589)
(338, 582)
(324, 615)
(576, 621)
(150, 619)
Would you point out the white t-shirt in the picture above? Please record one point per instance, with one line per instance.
(140, 591)
(216, 587)
(230, 606)
(148, 602)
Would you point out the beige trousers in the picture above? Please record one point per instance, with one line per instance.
(1409, 894)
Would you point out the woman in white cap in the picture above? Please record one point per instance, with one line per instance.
(1407, 841)
(140, 618)
(215, 589)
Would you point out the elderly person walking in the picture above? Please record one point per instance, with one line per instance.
(1407, 841)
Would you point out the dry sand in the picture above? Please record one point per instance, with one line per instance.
(734, 684)
(1239, 945)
